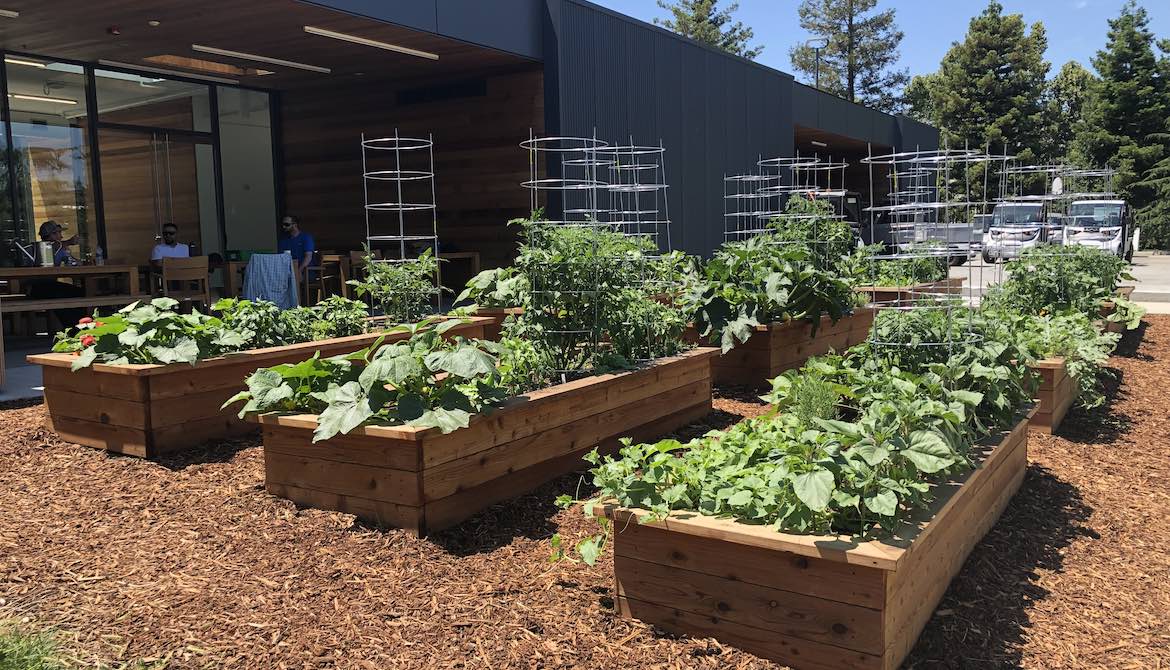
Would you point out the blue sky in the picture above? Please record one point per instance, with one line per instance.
(1076, 28)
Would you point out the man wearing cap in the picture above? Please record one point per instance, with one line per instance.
(46, 289)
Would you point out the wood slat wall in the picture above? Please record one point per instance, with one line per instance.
(479, 164)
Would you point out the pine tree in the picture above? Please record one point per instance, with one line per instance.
(1154, 218)
(1068, 94)
(701, 21)
(1129, 110)
(920, 96)
(989, 91)
(859, 62)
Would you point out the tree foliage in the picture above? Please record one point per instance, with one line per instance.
(859, 63)
(703, 21)
(1068, 97)
(990, 88)
(1131, 106)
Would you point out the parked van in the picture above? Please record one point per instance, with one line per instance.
(1105, 224)
(1019, 225)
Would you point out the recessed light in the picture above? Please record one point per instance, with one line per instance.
(818, 144)
(313, 30)
(20, 61)
(262, 59)
(9, 14)
(42, 98)
(154, 23)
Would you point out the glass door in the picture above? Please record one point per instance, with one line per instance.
(153, 177)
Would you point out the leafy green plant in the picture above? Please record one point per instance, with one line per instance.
(1054, 279)
(757, 281)
(811, 223)
(155, 333)
(495, 288)
(404, 290)
(424, 381)
(919, 266)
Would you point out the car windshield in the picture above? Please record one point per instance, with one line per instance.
(1099, 213)
(1016, 215)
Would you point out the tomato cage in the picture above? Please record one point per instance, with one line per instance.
(599, 240)
(924, 226)
(796, 201)
(402, 238)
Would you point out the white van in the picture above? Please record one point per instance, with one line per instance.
(1016, 226)
(1105, 224)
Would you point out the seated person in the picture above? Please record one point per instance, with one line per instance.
(297, 242)
(169, 247)
(49, 288)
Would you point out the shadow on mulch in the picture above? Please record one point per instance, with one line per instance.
(22, 403)
(529, 517)
(982, 620)
(212, 452)
(1100, 425)
(1131, 341)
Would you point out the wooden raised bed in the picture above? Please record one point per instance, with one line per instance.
(1058, 390)
(1109, 307)
(884, 294)
(811, 602)
(781, 346)
(149, 410)
(422, 480)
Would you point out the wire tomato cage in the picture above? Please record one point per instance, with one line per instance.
(611, 191)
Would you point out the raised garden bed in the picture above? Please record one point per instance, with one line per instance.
(1108, 307)
(781, 346)
(887, 294)
(811, 602)
(149, 410)
(1058, 391)
(423, 480)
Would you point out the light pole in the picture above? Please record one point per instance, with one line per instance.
(817, 44)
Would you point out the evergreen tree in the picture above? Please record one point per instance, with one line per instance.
(920, 96)
(859, 63)
(1154, 218)
(1068, 94)
(701, 21)
(1129, 109)
(989, 90)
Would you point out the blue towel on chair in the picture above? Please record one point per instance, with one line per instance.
(270, 277)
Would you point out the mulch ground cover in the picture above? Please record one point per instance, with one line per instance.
(189, 561)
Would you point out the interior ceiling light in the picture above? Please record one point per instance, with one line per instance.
(207, 66)
(313, 30)
(817, 144)
(173, 73)
(9, 14)
(42, 98)
(20, 61)
(259, 59)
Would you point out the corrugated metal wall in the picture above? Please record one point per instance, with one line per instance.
(715, 114)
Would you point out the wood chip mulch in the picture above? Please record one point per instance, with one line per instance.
(189, 560)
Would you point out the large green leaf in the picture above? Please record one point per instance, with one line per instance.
(929, 452)
(446, 420)
(814, 488)
(84, 359)
(464, 361)
(349, 407)
(884, 503)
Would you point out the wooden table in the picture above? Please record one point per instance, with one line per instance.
(87, 273)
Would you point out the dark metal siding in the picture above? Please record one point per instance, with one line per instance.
(823, 111)
(716, 114)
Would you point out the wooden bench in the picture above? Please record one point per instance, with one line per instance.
(23, 305)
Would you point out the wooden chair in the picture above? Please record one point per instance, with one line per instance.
(186, 280)
(333, 271)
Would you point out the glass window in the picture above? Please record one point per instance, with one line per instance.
(145, 100)
(249, 190)
(50, 154)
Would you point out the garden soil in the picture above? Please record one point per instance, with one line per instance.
(188, 563)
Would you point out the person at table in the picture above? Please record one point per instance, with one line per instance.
(169, 247)
(298, 243)
(51, 231)
(49, 288)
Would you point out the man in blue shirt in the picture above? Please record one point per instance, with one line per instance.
(297, 242)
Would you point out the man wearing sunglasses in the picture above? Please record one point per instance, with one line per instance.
(169, 247)
(298, 243)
